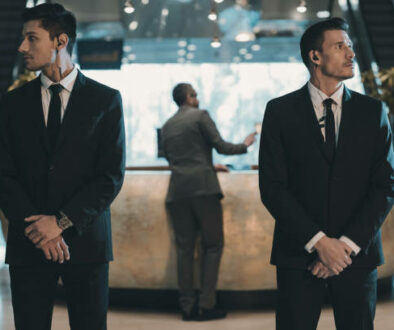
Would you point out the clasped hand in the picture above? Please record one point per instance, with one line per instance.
(43, 229)
(46, 235)
(334, 257)
(56, 250)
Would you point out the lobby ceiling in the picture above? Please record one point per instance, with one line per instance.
(155, 30)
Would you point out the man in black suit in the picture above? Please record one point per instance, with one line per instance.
(193, 198)
(62, 164)
(326, 176)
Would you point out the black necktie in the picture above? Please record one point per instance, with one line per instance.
(54, 115)
(329, 128)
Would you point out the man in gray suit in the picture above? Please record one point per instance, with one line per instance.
(193, 198)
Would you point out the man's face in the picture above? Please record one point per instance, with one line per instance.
(337, 55)
(191, 98)
(37, 47)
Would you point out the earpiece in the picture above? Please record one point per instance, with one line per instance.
(314, 57)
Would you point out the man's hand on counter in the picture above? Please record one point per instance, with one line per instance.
(221, 168)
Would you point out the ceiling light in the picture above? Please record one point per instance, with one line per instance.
(215, 42)
(243, 51)
(218, 1)
(190, 56)
(248, 56)
(245, 36)
(164, 12)
(192, 48)
(182, 43)
(256, 47)
(181, 52)
(131, 57)
(133, 25)
(236, 59)
(181, 60)
(323, 14)
(128, 7)
(145, 2)
(302, 7)
(212, 15)
(127, 48)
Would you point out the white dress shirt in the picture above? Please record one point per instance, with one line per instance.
(317, 97)
(67, 84)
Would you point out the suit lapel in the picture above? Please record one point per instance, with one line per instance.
(312, 124)
(72, 112)
(346, 121)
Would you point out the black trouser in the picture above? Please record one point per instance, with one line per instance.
(301, 296)
(33, 292)
(188, 216)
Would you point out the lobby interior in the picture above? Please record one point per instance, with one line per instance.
(238, 54)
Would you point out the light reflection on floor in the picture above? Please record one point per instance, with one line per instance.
(122, 319)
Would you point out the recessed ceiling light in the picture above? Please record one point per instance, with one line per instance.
(256, 47)
(212, 15)
(128, 7)
(215, 43)
(302, 7)
(323, 14)
(133, 25)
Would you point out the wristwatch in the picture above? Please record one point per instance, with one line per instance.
(63, 221)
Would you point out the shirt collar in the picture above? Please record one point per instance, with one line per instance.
(318, 96)
(185, 107)
(67, 82)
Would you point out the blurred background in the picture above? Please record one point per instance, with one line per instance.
(238, 54)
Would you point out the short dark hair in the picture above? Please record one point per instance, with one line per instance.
(313, 37)
(179, 93)
(55, 19)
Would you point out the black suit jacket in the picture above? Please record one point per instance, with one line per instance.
(306, 193)
(81, 177)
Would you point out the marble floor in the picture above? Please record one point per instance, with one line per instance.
(143, 319)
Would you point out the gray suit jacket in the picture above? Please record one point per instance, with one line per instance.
(187, 140)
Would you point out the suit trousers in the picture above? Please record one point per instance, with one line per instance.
(33, 291)
(188, 216)
(301, 296)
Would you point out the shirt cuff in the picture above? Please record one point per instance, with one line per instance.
(356, 249)
(310, 246)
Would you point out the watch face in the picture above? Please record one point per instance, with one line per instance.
(63, 223)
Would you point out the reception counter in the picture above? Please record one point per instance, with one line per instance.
(143, 241)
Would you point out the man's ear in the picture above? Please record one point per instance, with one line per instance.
(62, 41)
(313, 57)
